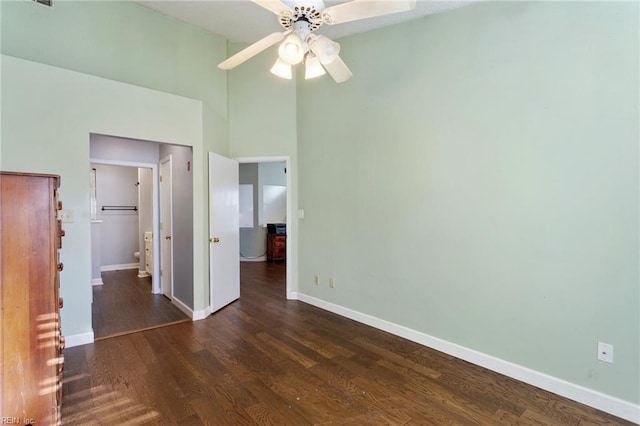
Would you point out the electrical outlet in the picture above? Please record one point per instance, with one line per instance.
(316, 279)
(605, 352)
(65, 216)
(332, 282)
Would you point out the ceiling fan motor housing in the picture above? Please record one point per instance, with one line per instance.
(305, 16)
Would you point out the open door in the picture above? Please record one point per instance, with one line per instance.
(224, 241)
(166, 227)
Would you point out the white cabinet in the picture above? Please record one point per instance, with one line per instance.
(148, 252)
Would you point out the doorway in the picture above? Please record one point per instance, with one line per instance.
(153, 309)
(123, 219)
(123, 212)
(267, 178)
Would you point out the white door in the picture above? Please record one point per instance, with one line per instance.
(224, 231)
(166, 224)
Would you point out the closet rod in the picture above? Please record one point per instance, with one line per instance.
(109, 208)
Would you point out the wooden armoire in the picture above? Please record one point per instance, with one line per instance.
(31, 343)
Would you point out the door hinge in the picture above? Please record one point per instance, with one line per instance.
(160, 178)
(160, 272)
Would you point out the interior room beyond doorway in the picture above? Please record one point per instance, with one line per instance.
(263, 201)
(126, 208)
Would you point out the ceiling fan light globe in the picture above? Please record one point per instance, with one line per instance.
(282, 69)
(291, 51)
(312, 67)
(326, 49)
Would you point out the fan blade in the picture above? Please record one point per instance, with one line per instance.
(338, 70)
(275, 6)
(363, 9)
(252, 50)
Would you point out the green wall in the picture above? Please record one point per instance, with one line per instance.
(125, 42)
(47, 116)
(262, 108)
(477, 181)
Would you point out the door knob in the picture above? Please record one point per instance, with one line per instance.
(168, 237)
(214, 239)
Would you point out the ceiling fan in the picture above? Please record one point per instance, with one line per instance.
(300, 18)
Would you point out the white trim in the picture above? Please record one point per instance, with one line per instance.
(143, 274)
(194, 315)
(119, 267)
(182, 306)
(96, 281)
(292, 231)
(201, 314)
(253, 259)
(293, 296)
(78, 339)
(135, 164)
(612, 405)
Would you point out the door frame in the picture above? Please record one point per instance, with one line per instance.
(166, 159)
(291, 231)
(155, 282)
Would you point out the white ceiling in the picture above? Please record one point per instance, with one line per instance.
(245, 21)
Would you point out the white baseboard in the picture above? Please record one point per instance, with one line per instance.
(292, 295)
(253, 259)
(617, 407)
(194, 315)
(78, 339)
(143, 274)
(96, 281)
(201, 314)
(119, 267)
(182, 306)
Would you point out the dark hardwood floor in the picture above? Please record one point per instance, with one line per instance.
(125, 304)
(265, 360)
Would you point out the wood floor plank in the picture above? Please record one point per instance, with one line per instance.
(210, 412)
(286, 350)
(395, 361)
(281, 410)
(234, 399)
(324, 347)
(334, 374)
(125, 304)
(265, 360)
